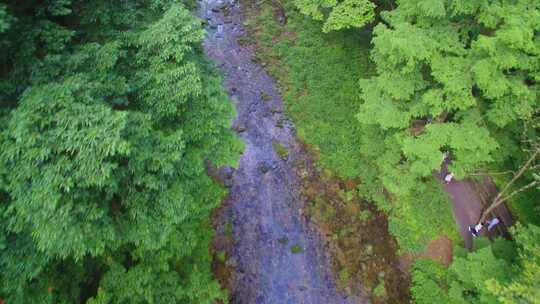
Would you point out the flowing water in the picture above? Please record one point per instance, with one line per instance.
(277, 256)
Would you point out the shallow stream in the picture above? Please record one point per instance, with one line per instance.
(277, 256)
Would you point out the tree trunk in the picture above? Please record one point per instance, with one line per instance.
(500, 198)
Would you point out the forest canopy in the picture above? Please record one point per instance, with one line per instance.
(109, 113)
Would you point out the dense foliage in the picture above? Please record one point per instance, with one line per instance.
(485, 275)
(462, 77)
(109, 113)
(453, 76)
(341, 14)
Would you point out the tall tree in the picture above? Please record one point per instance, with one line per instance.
(338, 14)
(113, 112)
(504, 272)
(451, 76)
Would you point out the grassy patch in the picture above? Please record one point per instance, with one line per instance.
(422, 217)
(296, 249)
(343, 277)
(281, 150)
(227, 229)
(221, 256)
(380, 290)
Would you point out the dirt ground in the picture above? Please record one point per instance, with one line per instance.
(469, 198)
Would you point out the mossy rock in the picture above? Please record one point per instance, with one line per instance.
(265, 96)
(284, 240)
(364, 215)
(344, 277)
(227, 229)
(296, 249)
(221, 256)
(281, 150)
(380, 290)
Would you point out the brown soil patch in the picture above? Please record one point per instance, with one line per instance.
(440, 250)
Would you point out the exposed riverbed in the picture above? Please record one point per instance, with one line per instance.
(277, 256)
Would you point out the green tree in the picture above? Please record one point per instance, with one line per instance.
(451, 76)
(492, 273)
(338, 15)
(112, 113)
(524, 287)
(429, 282)
(5, 19)
(439, 87)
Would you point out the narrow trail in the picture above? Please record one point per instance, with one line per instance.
(466, 204)
(264, 204)
(468, 199)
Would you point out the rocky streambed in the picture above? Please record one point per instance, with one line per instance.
(277, 256)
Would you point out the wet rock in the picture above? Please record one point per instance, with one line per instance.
(232, 262)
(228, 183)
(223, 5)
(284, 240)
(240, 128)
(265, 96)
(264, 168)
(369, 249)
(228, 171)
(363, 266)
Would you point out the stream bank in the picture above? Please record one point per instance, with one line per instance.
(287, 233)
(276, 256)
